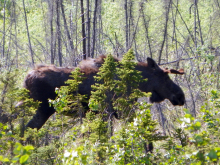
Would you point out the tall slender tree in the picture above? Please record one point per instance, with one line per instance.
(29, 40)
(3, 39)
(126, 25)
(51, 9)
(88, 27)
(146, 27)
(71, 46)
(195, 23)
(58, 32)
(167, 10)
(94, 29)
(83, 30)
(15, 29)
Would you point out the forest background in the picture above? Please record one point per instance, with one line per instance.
(176, 34)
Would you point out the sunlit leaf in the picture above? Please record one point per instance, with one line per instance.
(5, 160)
(24, 158)
(28, 147)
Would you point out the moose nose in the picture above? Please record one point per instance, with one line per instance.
(178, 99)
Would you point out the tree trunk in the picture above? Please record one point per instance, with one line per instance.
(83, 30)
(100, 39)
(195, 26)
(76, 32)
(146, 25)
(16, 46)
(29, 40)
(88, 26)
(51, 8)
(58, 32)
(94, 29)
(165, 30)
(126, 24)
(3, 45)
(66, 28)
(131, 24)
(200, 29)
(174, 36)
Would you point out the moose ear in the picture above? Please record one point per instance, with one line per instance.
(151, 63)
(180, 71)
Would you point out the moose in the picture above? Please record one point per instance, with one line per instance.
(42, 81)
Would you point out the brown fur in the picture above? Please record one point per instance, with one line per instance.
(42, 81)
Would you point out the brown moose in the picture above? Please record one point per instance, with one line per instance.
(42, 81)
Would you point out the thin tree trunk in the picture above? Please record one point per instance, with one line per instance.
(88, 26)
(94, 29)
(58, 32)
(71, 20)
(72, 56)
(51, 8)
(29, 40)
(116, 45)
(4, 32)
(66, 27)
(184, 23)
(126, 24)
(15, 28)
(83, 30)
(165, 31)
(101, 47)
(133, 39)
(217, 3)
(162, 118)
(7, 60)
(174, 37)
(195, 11)
(46, 50)
(146, 25)
(131, 24)
(200, 29)
(76, 30)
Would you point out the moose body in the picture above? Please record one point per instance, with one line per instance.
(42, 81)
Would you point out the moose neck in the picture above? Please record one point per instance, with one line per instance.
(145, 73)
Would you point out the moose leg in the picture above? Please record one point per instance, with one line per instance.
(148, 147)
(41, 116)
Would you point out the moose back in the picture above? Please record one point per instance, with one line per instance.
(42, 81)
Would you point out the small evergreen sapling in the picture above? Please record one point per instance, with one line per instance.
(68, 100)
(127, 85)
(103, 92)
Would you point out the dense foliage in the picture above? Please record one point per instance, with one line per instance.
(116, 129)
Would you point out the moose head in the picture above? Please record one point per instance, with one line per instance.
(160, 84)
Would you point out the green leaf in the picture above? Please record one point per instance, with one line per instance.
(5, 160)
(15, 159)
(198, 124)
(199, 139)
(217, 148)
(28, 147)
(212, 155)
(200, 155)
(24, 158)
(188, 115)
(18, 149)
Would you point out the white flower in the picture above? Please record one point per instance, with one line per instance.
(74, 154)
(66, 154)
(135, 122)
(183, 125)
(187, 120)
